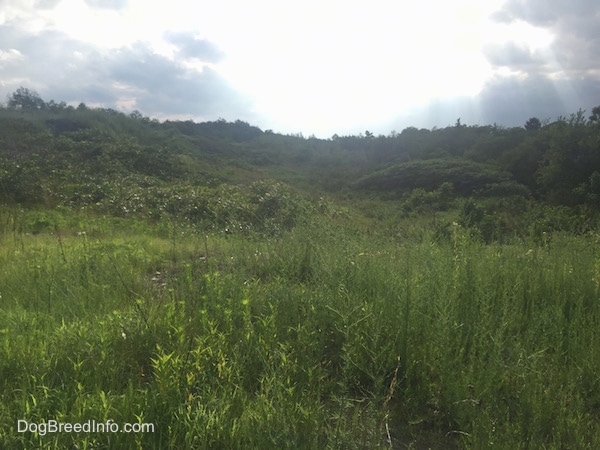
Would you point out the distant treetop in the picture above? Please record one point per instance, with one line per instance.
(26, 100)
(533, 124)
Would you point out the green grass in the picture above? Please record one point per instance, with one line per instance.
(322, 337)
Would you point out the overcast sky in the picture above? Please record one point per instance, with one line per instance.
(312, 66)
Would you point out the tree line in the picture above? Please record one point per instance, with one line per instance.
(55, 145)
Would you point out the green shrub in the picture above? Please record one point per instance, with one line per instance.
(465, 176)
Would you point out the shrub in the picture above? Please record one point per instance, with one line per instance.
(465, 176)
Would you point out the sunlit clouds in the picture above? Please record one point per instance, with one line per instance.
(311, 67)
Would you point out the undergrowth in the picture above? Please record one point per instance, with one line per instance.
(318, 337)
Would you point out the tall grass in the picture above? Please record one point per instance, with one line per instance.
(320, 338)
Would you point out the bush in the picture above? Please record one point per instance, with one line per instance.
(465, 176)
(471, 214)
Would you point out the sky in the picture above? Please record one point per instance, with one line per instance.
(316, 67)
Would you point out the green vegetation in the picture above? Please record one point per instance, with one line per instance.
(243, 289)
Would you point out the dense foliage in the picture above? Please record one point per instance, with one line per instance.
(49, 151)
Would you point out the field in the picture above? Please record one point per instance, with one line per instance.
(330, 334)
(216, 286)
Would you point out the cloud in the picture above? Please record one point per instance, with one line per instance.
(161, 85)
(549, 82)
(511, 100)
(190, 47)
(322, 80)
(574, 24)
(508, 101)
(510, 55)
(46, 4)
(546, 13)
(61, 68)
(35, 4)
(26, 12)
(107, 4)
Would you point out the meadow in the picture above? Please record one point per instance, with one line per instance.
(217, 286)
(324, 335)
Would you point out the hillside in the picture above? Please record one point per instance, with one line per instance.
(214, 285)
(54, 155)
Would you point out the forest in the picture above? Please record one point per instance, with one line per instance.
(240, 288)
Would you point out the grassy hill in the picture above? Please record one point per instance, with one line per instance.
(220, 286)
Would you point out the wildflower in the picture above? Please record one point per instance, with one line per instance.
(156, 277)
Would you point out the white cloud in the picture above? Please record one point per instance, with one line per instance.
(108, 4)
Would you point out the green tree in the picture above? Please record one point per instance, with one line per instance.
(523, 159)
(571, 158)
(533, 124)
(595, 117)
(26, 100)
